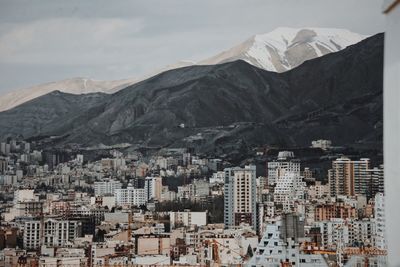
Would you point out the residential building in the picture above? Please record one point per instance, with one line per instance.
(153, 188)
(55, 233)
(187, 218)
(274, 249)
(289, 188)
(286, 162)
(349, 177)
(106, 187)
(240, 196)
(380, 223)
(130, 196)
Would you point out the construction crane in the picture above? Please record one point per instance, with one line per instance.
(368, 251)
(312, 248)
(365, 252)
(130, 243)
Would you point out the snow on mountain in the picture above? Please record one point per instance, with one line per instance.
(278, 51)
(286, 48)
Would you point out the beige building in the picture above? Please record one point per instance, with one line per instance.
(187, 218)
(240, 196)
(349, 177)
(341, 210)
(153, 188)
(152, 245)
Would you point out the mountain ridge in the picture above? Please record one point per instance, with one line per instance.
(337, 96)
(267, 51)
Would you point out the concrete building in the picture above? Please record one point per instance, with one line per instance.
(318, 191)
(199, 189)
(321, 143)
(187, 218)
(349, 177)
(362, 232)
(153, 188)
(24, 195)
(240, 196)
(376, 182)
(274, 249)
(289, 188)
(55, 233)
(106, 187)
(152, 245)
(217, 178)
(380, 223)
(324, 212)
(130, 196)
(334, 231)
(284, 163)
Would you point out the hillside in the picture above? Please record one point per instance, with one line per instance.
(337, 96)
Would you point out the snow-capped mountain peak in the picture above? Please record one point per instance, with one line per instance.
(286, 48)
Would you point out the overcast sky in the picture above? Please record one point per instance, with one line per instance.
(50, 40)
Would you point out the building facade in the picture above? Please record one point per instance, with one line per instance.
(240, 196)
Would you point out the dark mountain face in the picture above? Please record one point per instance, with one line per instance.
(337, 97)
(51, 114)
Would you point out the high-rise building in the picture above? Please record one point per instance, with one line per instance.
(349, 177)
(3, 165)
(240, 196)
(153, 188)
(375, 182)
(289, 188)
(106, 187)
(284, 163)
(379, 218)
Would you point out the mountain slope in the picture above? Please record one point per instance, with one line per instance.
(337, 96)
(76, 86)
(286, 48)
(41, 116)
(279, 50)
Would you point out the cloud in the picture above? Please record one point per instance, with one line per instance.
(45, 40)
(66, 40)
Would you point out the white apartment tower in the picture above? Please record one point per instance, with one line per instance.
(289, 188)
(284, 163)
(379, 219)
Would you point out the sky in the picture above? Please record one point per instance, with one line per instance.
(50, 40)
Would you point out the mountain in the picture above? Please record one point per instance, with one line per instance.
(76, 86)
(43, 114)
(286, 48)
(279, 50)
(337, 96)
